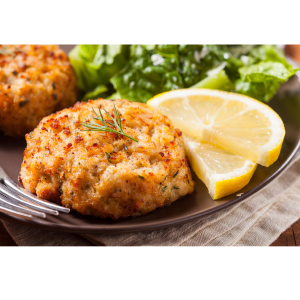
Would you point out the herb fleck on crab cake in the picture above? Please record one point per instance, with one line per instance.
(105, 174)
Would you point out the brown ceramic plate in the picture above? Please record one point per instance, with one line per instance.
(286, 104)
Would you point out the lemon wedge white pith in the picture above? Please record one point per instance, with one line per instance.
(223, 173)
(233, 122)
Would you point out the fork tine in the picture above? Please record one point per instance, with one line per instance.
(13, 212)
(24, 193)
(16, 199)
(5, 203)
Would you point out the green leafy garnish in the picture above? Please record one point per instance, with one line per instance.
(176, 174)
(262, 80)
(218, 81)
(139, 72)
(93, 126)
(141, 177)
(94, 65)
(147, 74)
(98, 92)
(164, 188)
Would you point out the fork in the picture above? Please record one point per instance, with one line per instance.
(15, 200)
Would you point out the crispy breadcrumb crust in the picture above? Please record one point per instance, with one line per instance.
(34, 82)
(105, 174)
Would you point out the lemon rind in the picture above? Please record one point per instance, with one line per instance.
(225, 187)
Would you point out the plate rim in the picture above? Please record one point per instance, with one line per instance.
(127, 228)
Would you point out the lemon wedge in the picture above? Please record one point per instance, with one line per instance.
(223, 173)
(235, 123)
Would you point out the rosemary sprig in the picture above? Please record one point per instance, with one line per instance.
(93, 126)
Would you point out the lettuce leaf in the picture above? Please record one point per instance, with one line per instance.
(94, 65)
(79, 68)
(269, 53)
(265, 71)
(197, 60)
(139, 72)
(261, 81)
(216, 81)
(263, 91)
(148, 74)
(154, 69)
(98, 92)
(239, 50)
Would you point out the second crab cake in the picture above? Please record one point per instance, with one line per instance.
(35, 80)
(106, 174)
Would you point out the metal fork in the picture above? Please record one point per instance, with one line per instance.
(14, 200)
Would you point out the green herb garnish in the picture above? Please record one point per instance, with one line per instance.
(175, 188)
(93, 126)
(176, 174)
(23, 103)
(107, 155)
(141, 177)
(164, 188)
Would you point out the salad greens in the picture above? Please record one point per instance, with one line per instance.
(139, 72)
(94, 65)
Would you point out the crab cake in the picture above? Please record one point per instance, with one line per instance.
(106, 174)
(34, 82)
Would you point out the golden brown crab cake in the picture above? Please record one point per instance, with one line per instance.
(34, 82)
(105, 174)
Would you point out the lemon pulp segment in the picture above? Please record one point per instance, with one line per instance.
(223, 173)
